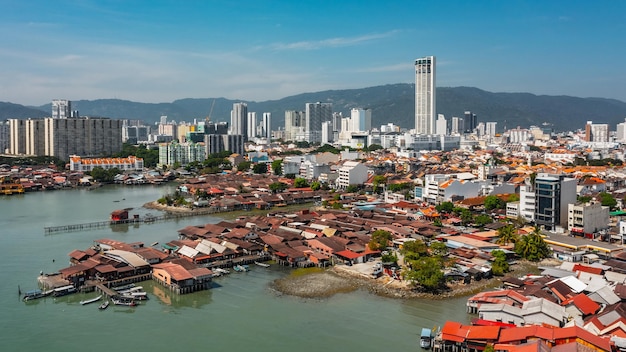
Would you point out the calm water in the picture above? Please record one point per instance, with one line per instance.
(240, 314)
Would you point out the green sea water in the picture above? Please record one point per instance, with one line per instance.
(240, 313)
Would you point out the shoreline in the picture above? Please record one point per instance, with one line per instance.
(325, 283)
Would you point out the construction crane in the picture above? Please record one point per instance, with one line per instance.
(208, 118)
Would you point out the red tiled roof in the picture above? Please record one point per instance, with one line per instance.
(588, 269)
(585, 304)
(349, 254)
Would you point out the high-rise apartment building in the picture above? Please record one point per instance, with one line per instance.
(252, 125)
(456, 125)
(490, 128)
(5, 136)
(596, 132)
(266, 126)
(316, 113)
(361, 120)
(61, 109)
(425, 95)
(239, 119)
(294, 124)
(441, 125)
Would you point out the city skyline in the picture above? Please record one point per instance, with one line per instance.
(162, 51)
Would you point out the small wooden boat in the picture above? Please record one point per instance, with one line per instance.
(265, 265)
(104, 305)
(87, 301)
(426, 338)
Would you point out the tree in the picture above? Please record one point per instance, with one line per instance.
(584, 199)
(277, 166)
(315, 185)
(414, 249)
(374, 147)
(507, 234)
(438, 248)
(380, 240)
(499, 266)
(377, 180)
(437, 222)
(482, 220)
(607, 200)
(244, 166)
(532, 246)
(466, 217)
(260, 168)
(106, 176)
(277, 187)
(493, 202)
(300, 182)
(428, 273)
(352, 189)
(445, 207)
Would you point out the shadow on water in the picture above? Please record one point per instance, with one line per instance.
(191, 300)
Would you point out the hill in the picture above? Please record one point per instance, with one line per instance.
(16, 111)
(389, 103)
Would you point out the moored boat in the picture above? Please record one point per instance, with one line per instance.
(265, 265)
(92, 300)
(65, 290)
(426, 338)
(104, 305)
(35, 294)
(123, 301)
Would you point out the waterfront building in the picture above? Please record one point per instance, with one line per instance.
(130, 163)
(87, 137)
(239, 119)
(425, 95)
(181, 153)
(61, 109)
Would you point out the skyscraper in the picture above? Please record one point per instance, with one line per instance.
(266, 126)
(252, 124)
(61, 109)
(316, 113)
(470, 121)
(239, 119)
(425, 102)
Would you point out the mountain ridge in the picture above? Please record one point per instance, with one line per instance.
(389, 103)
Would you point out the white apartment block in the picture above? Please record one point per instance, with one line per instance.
(182, 153)
(351, 173)
(587, 218)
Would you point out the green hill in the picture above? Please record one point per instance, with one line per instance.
(389, 103)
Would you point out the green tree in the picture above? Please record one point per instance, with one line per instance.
(397, 187)
(584, 199)
(437, 222)
(337, 205)
(499, 266)
(260, 168)
(277, 187)
(315, 185)
(414, 249)
(352, 189)
(277, 166)
(532, 246)
(389, 258)
(445, 207)
(466, 217)
(380, 240)
(427, 272)
(300, 182)
(482, 220)
(105, 176)
(438, 248)
(244, 166)
(607, 200)
(493, 202)
(378, 180)
(507, 234)
(374, 147)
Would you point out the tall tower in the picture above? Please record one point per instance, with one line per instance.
(61, 109)
(267, 126)
(239, 119)
(425, 95)
(316, 113)
(252, 124)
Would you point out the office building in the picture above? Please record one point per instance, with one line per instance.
(470, 121)
(553, 193)
(217, 143)
(456, 125)
(361, 120)
(425, 95)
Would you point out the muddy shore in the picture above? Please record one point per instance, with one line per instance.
(326, 283)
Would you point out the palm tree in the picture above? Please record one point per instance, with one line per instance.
(532, 246)
(507, 234)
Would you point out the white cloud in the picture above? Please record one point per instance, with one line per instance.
(330, 42)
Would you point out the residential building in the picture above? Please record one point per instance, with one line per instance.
(553, 193)
(35, 137)
(316, 113)
(130, 163)
(239, 119)
(425, 95)
(490, 129)
(61, 109)
(5, 136)
(217, 143)
(527, 201)
(181, 153)
(457, 125)
(310, 170)
(587, 218)
(361, 120)
(595, 132)
(252, 125)
(442, 127)
(351, 173)
(266, 126)
(295, 123)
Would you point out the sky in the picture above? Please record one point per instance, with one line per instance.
(255, 50)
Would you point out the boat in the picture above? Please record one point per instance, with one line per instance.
(426, 338)
(136, 295)
(104, 305)
(87, 301)
(221, 271)
(35, 294)
(241, 268)
(265, 265)
(123, 301)
(123, 287)
(62, 291)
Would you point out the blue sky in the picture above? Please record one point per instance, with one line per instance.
(160, 51)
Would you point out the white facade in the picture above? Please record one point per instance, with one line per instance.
(351, 173)
(361, 120)
(239, 119)
(327, 132)
(587, 218)
(266, 126)
(252, 125)
(442, 126)
(61, 109)
(425, 95)
(527, 202)
(490, 129)
(294, 124)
